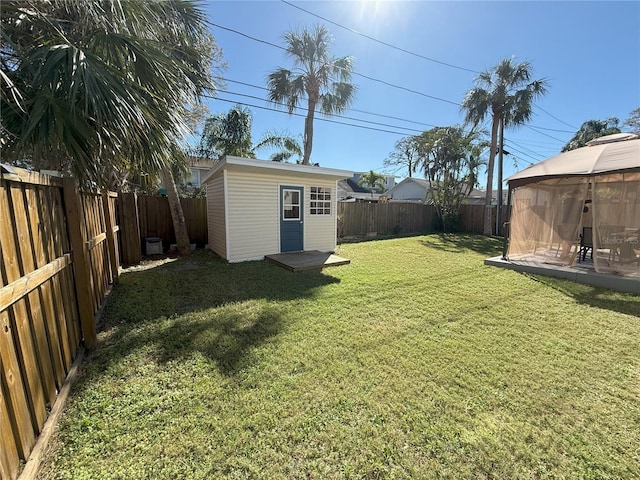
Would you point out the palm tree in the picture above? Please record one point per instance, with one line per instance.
(372, 180)
(103, 85)
(321, 78)
(507, 93)
(227, 134)
(230, 134)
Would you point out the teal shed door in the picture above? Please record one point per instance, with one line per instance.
(291, 215)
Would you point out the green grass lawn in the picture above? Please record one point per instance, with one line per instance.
(414, 361)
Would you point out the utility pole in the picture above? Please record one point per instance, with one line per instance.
(500, 156)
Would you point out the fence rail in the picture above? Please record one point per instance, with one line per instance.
(58, 256)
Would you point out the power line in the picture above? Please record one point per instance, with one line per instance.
(399, 87)
(555, 130)
(408, 130)
(352, 109)
(248, 36)
(407, 89)
(513, 142)
(512, 147)
(380, 41)
(393, 118)
(540, 144)
(556, 118)
(379, 114)
(395, 47)
(371, 78)
(301, 115)
(535, 129)
(334, 115)
(522, 160)
(376, 114)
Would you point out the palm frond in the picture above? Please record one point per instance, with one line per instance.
(475, 105)
(102, 80)
(342, 68)
(338, 99)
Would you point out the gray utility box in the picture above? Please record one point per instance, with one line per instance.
(153, 246)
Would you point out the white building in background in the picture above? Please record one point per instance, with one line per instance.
(413, 189)
(410, 189)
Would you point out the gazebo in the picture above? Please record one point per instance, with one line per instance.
(580, 205)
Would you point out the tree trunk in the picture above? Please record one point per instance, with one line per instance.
(179, 225)
(488, 224)
(308, 130)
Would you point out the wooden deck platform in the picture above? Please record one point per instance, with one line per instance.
(302, 261)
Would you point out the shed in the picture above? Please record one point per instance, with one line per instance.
(257, 208)
(585, 201)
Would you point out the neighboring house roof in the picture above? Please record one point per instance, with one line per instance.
(349, 188)
(352, 197)
(415, 190)
(356, 187)
(349, 185)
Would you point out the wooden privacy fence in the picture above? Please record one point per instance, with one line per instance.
(58, 255)
(355, 219)
(147, 216)
(359, 219)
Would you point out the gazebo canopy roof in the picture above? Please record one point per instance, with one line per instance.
(611, 153)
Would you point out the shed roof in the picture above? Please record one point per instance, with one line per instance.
(262, 166)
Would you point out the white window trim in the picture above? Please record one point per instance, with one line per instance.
(321, 205)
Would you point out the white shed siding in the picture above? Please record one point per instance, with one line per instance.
(243, 206)
(252, 216)
(215, 215)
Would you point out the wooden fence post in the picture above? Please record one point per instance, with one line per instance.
(129, 229)
(80, 268)
(111, 237)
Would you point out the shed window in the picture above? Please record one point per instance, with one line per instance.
(320, 201)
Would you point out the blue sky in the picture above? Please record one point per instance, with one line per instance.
(588, 51)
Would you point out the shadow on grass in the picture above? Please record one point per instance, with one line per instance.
(203, 281)
(625, 303)
(199, 304)
(226, 337)
(459, 243)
